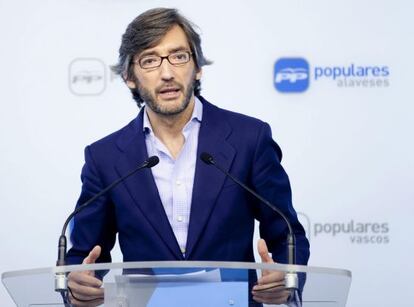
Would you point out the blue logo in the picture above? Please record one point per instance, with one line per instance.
(291, 75)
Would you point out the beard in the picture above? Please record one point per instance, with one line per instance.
(157, 107)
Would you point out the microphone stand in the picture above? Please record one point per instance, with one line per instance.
(61, 281)
(291, 278)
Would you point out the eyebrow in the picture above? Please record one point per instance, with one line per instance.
(176, 49)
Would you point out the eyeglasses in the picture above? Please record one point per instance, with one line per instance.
(153, 61)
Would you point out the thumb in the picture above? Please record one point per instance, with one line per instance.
(93, 255)
(263, 251)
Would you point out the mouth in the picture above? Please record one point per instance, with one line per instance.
(169, 92)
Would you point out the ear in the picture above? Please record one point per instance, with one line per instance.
(128, 81)
(131, 84)
(198, 74)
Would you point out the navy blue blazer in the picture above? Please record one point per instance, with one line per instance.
(222, 214)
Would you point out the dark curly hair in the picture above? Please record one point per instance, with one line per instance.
(144, 32)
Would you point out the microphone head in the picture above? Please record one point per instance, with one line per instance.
(207, 158)
(152, 161)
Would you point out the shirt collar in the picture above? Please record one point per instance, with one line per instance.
(197, 115)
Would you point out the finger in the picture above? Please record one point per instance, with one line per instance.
(93, 303)
(274, 287)
(271, 298)
(84, 279)
(271, 276)
(283, 295)
(264, 252)
(86, 293)
(270, 301)
(93, 255)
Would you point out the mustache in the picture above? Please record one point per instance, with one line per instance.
(168, 86)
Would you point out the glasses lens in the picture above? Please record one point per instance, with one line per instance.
(180, 57)
(150, 61)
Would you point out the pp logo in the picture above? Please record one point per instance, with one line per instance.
(291, 75)
(87, 77)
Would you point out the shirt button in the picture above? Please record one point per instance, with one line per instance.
(182, 250)
(180, 218)
(178, 182)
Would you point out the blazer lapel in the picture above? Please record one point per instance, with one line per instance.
(142, 187)
(208, 180)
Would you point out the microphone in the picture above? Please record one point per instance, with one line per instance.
(291, 278)
(60, 278)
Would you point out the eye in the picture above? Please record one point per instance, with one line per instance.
(149, 60)
(179, 56)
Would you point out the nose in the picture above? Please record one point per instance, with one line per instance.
(166, 70)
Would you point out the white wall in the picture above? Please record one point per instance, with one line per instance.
(348, 151)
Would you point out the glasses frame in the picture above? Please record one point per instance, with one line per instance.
(167, 57)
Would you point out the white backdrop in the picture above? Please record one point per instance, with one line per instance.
(348, 150)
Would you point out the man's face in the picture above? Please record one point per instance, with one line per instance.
(168, 89)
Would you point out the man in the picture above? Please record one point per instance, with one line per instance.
(181, 209)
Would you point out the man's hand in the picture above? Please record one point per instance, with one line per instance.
(85, 288)
(270, 288)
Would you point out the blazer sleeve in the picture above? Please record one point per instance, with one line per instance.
(94, 225)
(271, 181)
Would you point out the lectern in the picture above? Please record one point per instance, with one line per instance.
(180, 283)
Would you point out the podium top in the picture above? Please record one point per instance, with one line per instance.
(179, 264)
(320, 286)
